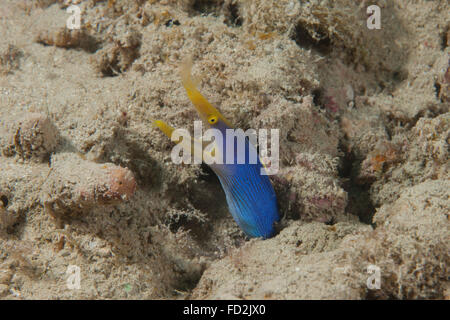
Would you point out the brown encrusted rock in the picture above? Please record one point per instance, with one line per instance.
(54, 31)
(9, 58)
(119, 53)
(412, 246)
(310, 190)
(307, 184)
(19, 186)
(67, 38)
(409, 246)
(75, 185)
(420, 155)
(302, 262)
(5, 217)
(443, 85)
(32, 136)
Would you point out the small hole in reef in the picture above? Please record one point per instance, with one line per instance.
(232, 17)
(171, 22)
(206, 7)
(437, 88)
(317, 96)
(399, 75)
(208, 174)
(304, 39)
(444, 39)
(4, 200)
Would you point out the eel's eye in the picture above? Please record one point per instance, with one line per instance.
(212, 119)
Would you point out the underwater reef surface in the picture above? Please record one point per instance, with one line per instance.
(87, 181)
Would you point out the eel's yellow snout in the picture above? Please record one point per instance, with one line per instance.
(164, 127)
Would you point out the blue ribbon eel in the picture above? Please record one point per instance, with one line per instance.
(249, 193)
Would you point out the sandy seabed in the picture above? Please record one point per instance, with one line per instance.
(88, 188)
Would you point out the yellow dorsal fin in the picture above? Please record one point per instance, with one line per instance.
(204, 108)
